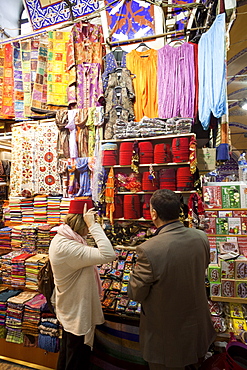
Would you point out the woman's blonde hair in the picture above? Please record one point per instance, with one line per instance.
(76, 222)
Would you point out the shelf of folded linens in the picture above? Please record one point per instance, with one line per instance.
(151, 192)
(225, 209)
(229, 299)
(13, 287)
(226, 235)
(170, 164)
(161, 137)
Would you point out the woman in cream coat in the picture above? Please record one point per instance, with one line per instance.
(77, 283)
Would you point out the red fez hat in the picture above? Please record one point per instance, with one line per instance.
(77, 205)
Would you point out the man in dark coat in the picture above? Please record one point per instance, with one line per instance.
(169, 281)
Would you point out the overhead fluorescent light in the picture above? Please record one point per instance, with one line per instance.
(243, 104)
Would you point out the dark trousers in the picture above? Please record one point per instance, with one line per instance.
(74, 354)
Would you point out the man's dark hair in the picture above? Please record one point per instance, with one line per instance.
(166, 203)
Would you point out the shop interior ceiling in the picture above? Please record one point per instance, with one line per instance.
(11, 10)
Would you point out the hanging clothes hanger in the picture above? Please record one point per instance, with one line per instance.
(142, 44)
(177, 41)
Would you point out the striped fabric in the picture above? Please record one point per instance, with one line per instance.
(116, 347)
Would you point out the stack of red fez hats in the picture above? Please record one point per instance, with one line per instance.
(125, 153)
(109, 154)
(180, 149)
(146, 152)
(132, 206)
(162, 153)
(149, 184)
(167, 179)
(185, 179)
(118, 203)
(146, 207)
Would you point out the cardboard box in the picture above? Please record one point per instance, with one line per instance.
(214, 274)
(212, 196)
(227, 288)
(211, 226)
(225, 213)
(241, 288)
(234, 225)
(227, 269)
(241, 269)
(215, 290)
(243, 225)
(213, 255)
(211, 213)
(242, 245)
(222, 225)
(239, 325)
(239, 213)
(236, 310)
(243, 195)
(230, 195)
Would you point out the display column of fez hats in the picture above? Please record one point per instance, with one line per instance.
(77, 205)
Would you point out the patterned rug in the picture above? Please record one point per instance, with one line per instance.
(7, 365)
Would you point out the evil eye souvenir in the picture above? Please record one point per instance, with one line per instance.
(132, 305)
(124, 288)
(126, 276)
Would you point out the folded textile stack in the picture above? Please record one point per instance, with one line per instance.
(4, 296)
(15, 209)
(31, 315)
(48, 330)
(53, 209)
(64, 207)
(6, 211)
(16, 239)
(27, 210)
(43, 238)
(53, 232)
(18, 272)
(29, 238)
(6, 266)
(32, 266)
(14, 314)
(5, 238)
(40, 208)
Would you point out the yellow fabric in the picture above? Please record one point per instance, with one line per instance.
(109, 195)
(143, 64)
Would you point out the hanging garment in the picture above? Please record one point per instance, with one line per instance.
(73, 150)
(81, 118)
(18, 82)
(212, 72)
(57, 75)
(83, 169)
(109, 195)
(89, 85)
(112, 61)
(176, 81)
(8, 83)
(63, 134)
(143, 64)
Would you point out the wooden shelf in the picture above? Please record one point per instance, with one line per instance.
(225, 209)
(226, 235)
(170, 164)
(161, 137)
(151, 192)
(229, 299)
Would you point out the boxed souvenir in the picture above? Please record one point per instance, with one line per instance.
(234, 225)
(212, 196)
(225, 213)
(243, 194)
(228, 246)
(222, 225)
(213, 255)
(244, 225)
(230, 195)
(211, 213)
(239, 213)
(214, 274)
(239, 325)
(211, 226)
(227, 288)
(236, 310)
(241, 288)
(241, 269)
(227, 269)
(242, 244)
(215, 289)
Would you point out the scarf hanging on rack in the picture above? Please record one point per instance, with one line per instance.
(8, 83)
(83, 169)
(18, 82)
(109, 196)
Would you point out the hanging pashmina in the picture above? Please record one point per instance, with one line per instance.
(1, 77)
(89, 85)
(18, 82)
(47, 177)
(83, 169)
(109, 196)
(23, 160)
(63, 134)
(8, 83)
(57, 79)
(39, 94)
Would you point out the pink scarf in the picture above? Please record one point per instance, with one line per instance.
(66, 231)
